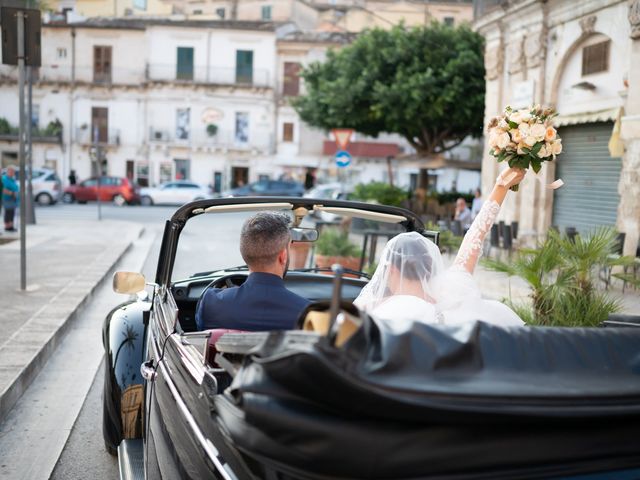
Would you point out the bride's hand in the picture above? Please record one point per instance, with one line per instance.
(510, 177)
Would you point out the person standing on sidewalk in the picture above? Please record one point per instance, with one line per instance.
(9, 197)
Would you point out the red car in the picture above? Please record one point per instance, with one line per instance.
(119, 190)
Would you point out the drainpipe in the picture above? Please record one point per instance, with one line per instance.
(71, 99)
(208, 62)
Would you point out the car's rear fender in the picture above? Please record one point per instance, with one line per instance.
(124, 340)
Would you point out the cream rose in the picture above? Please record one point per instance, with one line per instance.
(515, 135)
(503, 140)
(530, 140)
(556, 147)
(543, 153)
(502, 124)
(550, 134)
(538, 131)
(524, 129)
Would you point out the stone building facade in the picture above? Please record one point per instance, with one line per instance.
(583, 58)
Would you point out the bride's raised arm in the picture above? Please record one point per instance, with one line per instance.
(471, 247)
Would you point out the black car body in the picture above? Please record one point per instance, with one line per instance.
(474, 401)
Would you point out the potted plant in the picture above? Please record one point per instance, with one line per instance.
(334, 246)
(212, 129)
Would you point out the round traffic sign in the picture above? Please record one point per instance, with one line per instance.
(343, 158)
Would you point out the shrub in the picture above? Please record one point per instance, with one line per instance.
(335, 243)
(448, 242)
(381, 193)
(563, 274)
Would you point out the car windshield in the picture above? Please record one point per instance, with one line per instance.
(341, 238)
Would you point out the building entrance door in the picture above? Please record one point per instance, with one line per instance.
(239, 176)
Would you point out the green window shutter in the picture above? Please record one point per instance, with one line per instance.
(244, 66)
(185, 63)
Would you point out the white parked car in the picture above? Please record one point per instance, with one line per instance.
(176, 192)
(47, 187)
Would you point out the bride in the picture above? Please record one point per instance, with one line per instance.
(411, 284)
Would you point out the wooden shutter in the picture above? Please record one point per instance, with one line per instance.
(101, 64)
(244, 66)
(100, 124)
(595, 58)
(291, 84)
(185, 63)
(287, 132)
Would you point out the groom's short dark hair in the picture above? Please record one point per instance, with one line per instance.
(263, 236)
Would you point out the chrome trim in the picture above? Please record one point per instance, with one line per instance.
(206, 444)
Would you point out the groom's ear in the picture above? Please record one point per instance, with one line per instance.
(283, 255)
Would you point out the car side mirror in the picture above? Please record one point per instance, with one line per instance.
(128, 282)
(303, 234)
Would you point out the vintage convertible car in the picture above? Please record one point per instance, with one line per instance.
(339, 398)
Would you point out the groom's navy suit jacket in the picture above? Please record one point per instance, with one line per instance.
(261, 303)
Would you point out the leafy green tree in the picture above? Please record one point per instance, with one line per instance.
(424, 83)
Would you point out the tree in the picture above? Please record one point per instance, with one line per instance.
(426, 84)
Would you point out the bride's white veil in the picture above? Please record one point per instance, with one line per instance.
(408, 265)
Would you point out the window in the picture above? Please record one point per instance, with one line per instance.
(182, 123)
(197, 12)
(291, 82)
(61, 53)
(185, 63)
(244, 66)
(287, 132)
(449, 21)
(266, 12)
(99, 125)
(142, 174)
(166, 172)
(35, 116)
(101, 64)
(220, 13)
(242, 127)
(595, 58)
(182, 169)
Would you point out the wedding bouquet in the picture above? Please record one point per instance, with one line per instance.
(524, 138)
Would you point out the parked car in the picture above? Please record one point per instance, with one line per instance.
(46, 185)
(177, 192)
(119, 190)
(262, 188)
(438, 401)
(333, 191)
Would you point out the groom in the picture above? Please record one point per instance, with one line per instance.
(262, 302)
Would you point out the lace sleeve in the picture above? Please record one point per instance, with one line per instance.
(471, 247)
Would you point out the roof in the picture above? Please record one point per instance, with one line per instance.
(143, 23)
(318, 37)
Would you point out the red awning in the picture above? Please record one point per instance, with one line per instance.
(364, 149)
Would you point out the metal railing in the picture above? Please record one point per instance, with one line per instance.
(223, 141)
(152, 72)
(212, 75)
(83, 136)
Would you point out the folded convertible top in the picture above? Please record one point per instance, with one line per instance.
(440, 400)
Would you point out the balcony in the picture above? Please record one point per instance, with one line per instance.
(482, 7)
(84, 137)
(211, 75)
(222, 141)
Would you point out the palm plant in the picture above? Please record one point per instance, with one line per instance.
(562, 274)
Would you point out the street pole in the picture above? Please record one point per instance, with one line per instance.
(23, 230)
(98, 154)
(30, 213)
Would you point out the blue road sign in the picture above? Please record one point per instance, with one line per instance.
(343, 158)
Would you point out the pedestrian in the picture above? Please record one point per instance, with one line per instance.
(310, 179)
(463, 214)
(72, 177)
(9, 197)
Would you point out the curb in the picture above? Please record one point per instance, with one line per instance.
(18, 385)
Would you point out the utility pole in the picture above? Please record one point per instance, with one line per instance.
(21, 47)
(30, 210)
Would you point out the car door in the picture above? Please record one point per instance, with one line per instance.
(182, 439)
(166, 193)
(87, 190)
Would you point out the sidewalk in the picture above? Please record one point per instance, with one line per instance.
(66, 260)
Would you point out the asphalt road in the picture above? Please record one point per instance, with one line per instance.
(84, 455)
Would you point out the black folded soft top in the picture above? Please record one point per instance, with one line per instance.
(438, 400)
